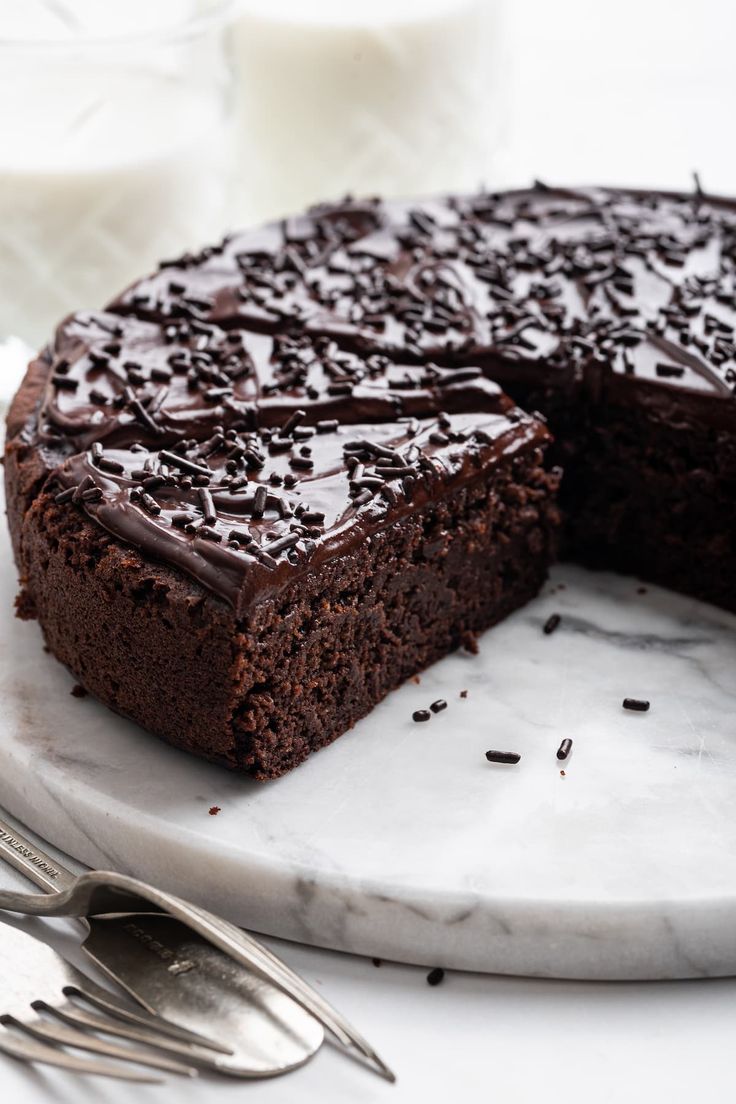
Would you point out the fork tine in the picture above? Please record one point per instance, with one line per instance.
(108, 1002)
(77, 1017)
(249, 951)
(315, 1003)
(30, 1051)
(65, 1036)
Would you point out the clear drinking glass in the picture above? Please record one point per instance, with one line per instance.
(114, 148)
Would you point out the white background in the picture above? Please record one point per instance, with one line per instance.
(639, 92)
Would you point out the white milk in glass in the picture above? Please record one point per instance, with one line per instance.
(383, 96)
(112, 156)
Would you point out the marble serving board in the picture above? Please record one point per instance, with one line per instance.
(400, 840)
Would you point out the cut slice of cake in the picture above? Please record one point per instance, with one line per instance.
(247, 576)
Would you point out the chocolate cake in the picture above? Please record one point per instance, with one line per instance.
(276, 478)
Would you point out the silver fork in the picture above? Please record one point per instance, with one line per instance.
(36, 979)
(101, 893)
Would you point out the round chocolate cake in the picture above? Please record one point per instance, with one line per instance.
(276, 478)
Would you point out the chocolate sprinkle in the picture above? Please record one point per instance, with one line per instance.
(564, 749)
(551, 623)
(105, 463)
(669, 371)
(175, 461)
(208, 506)
(502, 757)
(637, 704)
(259, 501)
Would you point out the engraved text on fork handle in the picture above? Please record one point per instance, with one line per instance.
(32, 861)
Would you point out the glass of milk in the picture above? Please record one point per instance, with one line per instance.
(114, 140)
(397, 97)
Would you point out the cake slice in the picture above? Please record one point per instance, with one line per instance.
(246, 577)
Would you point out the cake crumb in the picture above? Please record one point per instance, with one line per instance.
(214, 810)
(78, 691)
(416, 680)
(562, 774)
(463, 693)
(470, 642)
(25, 607)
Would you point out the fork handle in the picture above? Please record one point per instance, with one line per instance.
(32, 861)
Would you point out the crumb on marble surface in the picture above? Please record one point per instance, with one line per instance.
(214, 810)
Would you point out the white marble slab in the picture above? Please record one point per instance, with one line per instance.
(400, 840)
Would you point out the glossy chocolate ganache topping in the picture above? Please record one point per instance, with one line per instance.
(246, 412)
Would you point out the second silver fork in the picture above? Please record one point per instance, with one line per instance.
(101, 892)
(40, 1021)
(177, 974)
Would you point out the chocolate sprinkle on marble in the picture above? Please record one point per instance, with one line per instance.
(564, 749)
(636, 704)
(502, 756)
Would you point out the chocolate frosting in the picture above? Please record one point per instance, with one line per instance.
(252, 368)
(244, 540)
(543, 280)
